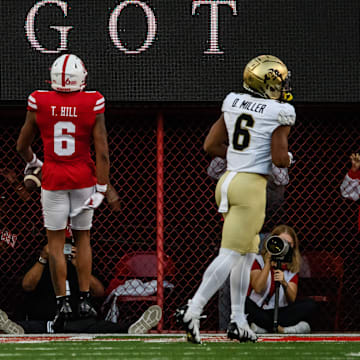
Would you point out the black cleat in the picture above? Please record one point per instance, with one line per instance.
(86, 310)
(242, 334)
(63, 314)
(191, 326)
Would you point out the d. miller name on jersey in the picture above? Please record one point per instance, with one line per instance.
(250, 105)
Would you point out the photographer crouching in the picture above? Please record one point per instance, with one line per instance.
(41, 304)
(271, 304)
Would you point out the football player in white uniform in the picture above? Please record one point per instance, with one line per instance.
(251, 133)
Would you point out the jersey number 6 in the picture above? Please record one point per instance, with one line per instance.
(64, 144)
(241, 137)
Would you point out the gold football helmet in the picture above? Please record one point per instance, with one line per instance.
(268, 76)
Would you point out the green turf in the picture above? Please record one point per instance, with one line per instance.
(139, 350)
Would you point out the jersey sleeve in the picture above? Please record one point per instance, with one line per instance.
(350, 187)
(32, 102)
(99, 106)
(286, 115)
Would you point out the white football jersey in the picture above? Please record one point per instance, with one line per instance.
(250, 122)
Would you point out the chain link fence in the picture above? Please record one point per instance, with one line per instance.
(170, 211)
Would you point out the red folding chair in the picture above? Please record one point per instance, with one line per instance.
(142, 266)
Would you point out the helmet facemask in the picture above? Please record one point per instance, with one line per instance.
(286, 90)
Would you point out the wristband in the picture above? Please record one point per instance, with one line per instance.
(42, 261)
(101, 188)
(291, 159)
(33, 160)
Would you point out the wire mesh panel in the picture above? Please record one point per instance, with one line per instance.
(321, 142)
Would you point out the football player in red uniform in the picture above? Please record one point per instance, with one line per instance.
(68, 118)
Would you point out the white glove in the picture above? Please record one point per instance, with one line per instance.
(93, 201)
(291, 159)
(217, 167)
(34, 163)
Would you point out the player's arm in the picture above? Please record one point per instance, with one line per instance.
(216, 139)
(101, 150)
(26, 137)
(279, 147)
(102, 166)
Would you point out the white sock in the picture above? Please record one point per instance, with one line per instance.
(239, 284)
(214, 276)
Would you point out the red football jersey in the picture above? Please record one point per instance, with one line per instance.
(66, 121)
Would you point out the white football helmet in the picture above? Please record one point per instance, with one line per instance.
(68, 74)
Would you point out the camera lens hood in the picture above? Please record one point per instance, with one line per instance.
(276, 246)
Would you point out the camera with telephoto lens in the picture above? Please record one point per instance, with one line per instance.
(279, 249)
(68, 251)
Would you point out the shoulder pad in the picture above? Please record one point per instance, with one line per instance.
(286, 118)
(228, 101)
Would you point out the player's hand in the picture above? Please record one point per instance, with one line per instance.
(291, 159)
(355, 162)
(73, 255)
(93, 201)
(34, 163)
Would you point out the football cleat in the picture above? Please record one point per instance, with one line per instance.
(86, 310)
(8, 326)
(242, 333)
(268, 77)
(64, 313)
(149, 319)
(190, 323)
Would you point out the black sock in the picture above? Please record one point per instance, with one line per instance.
(84, 295)
(60, 299)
